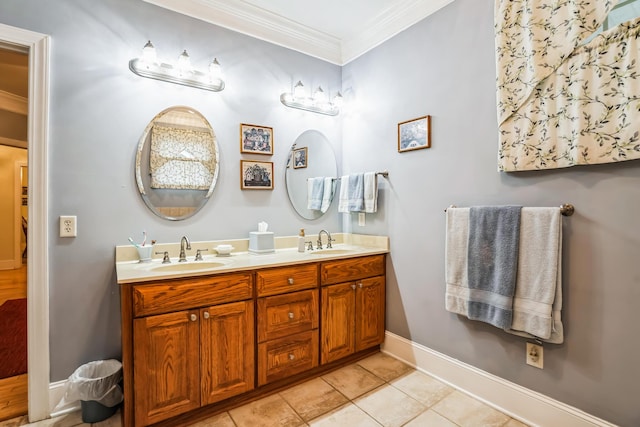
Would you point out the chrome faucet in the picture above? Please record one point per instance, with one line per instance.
(183, 255)
(329, 239)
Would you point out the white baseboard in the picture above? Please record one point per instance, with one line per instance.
(518, 402)
(56, 391)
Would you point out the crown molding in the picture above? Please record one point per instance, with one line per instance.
(259, 23)
(253, 21)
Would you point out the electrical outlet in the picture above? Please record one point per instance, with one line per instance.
(535, 355)
(361, 219)
(68, 226)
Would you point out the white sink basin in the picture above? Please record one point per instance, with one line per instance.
(331, 251)
(203, 265)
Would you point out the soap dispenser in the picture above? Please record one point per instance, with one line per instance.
(301, 240)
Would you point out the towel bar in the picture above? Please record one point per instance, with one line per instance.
(566, 209)
(384, 174)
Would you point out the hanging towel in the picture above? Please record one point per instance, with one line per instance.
(492, 263)
(328, 189)
(351, 193)
(457, 239)
(370, 192)
(314, 193)
(538, 294)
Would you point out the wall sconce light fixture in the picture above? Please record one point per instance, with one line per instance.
(147, 65)
(318, 103)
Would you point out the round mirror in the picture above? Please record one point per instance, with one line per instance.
(310, 157)
(177, 163)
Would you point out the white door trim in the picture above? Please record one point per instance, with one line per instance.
(38, 47)
(17, 216)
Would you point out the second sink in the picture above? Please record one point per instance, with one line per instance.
(188, 267)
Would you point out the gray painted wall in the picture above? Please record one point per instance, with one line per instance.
(99, 109)
(444, 66)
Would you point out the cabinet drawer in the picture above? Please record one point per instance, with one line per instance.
(287, 356)
(181, 294)
(287, 314)
(286, 279)
(351, 269)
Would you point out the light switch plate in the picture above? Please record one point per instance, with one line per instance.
(361, 219)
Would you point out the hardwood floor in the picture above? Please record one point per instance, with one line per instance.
(13, 390)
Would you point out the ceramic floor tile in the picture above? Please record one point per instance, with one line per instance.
(385, 366)
(422, 387)
(468, 412)
(15, 422)
(430, 418)
(353, 380)
(348, 415)
(220, 420)
(389, 406)
(267, 412)
(515, 423)
(313, 398)
(69, 420)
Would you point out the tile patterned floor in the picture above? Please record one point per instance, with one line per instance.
(374, 392)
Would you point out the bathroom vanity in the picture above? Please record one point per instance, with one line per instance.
(197, 341)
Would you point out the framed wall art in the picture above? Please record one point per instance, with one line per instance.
(300, 157)
(414, 134)
(256, 139)
(256, 175)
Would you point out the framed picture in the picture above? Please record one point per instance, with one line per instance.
(256, 139)
(414, 134)
(300, 158)
(256, 175)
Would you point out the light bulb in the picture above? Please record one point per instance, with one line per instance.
(338, 100)
(149, 53)
(184, 63)
(215, 71)
(319, 96)
(298, 90)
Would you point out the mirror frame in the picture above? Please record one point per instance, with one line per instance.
(142, 155)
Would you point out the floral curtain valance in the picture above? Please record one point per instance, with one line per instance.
(181, 159)
(561, 103)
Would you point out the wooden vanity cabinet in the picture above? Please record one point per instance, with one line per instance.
(186, 355)
(353, 306)
(287, 321)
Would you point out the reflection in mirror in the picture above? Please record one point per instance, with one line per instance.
(177, 163)
(311, 156)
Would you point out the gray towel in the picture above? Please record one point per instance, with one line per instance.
(315, 189)
(494, 233)
(355, 192)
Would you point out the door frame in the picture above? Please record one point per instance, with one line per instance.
(17, 238)
(38, 48)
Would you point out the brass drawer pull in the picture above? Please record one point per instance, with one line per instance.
(193, 317)
(206, 314)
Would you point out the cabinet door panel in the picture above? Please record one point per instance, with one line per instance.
(370, 307)
(338, 317)
(227, 350)
(166, 361)
(287, 314)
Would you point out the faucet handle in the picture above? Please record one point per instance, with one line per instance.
(319, 244)
(329, 240)
(310, 247)
(199, 254)
(165, 257)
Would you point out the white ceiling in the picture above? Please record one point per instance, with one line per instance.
(336, 31)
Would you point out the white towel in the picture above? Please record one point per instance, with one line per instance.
(537, 303)
(370, 192)
(456, 244)
(327, 193)
(315, 193)
(351, 193)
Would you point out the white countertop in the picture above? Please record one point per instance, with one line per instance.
(130, 270)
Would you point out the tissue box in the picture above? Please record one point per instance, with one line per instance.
(261, 242)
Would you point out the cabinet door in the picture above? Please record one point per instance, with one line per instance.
(227, 350)
(166, 362)
(338, 317)
(370, 310)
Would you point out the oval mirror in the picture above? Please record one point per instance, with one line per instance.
(311, 156)
(177, 163)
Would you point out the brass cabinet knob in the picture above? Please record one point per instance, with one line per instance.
(290, 280)
(360, 285)
(193, 317)
(291, 356)
(206, 314)
(353, 286)
(290, 315)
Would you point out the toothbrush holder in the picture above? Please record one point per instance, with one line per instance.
(145, 252)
